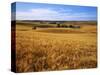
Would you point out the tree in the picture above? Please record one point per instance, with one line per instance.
(58, 25)
(34, 27)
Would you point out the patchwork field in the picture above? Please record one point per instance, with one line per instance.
(47, 49)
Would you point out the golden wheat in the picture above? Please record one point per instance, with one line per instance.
(40, 51)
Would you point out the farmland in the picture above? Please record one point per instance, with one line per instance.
(55, 48)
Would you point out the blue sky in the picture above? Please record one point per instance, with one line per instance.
(40, 11)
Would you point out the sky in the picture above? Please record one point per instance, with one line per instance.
(40, 11)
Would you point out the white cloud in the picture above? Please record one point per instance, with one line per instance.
(43, 11)
(48, 14)
(36, 14)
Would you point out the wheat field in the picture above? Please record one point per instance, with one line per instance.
(48, 49)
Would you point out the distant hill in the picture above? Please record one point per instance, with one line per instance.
(52, 22)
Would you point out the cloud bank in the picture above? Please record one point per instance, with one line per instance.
(50, 14)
